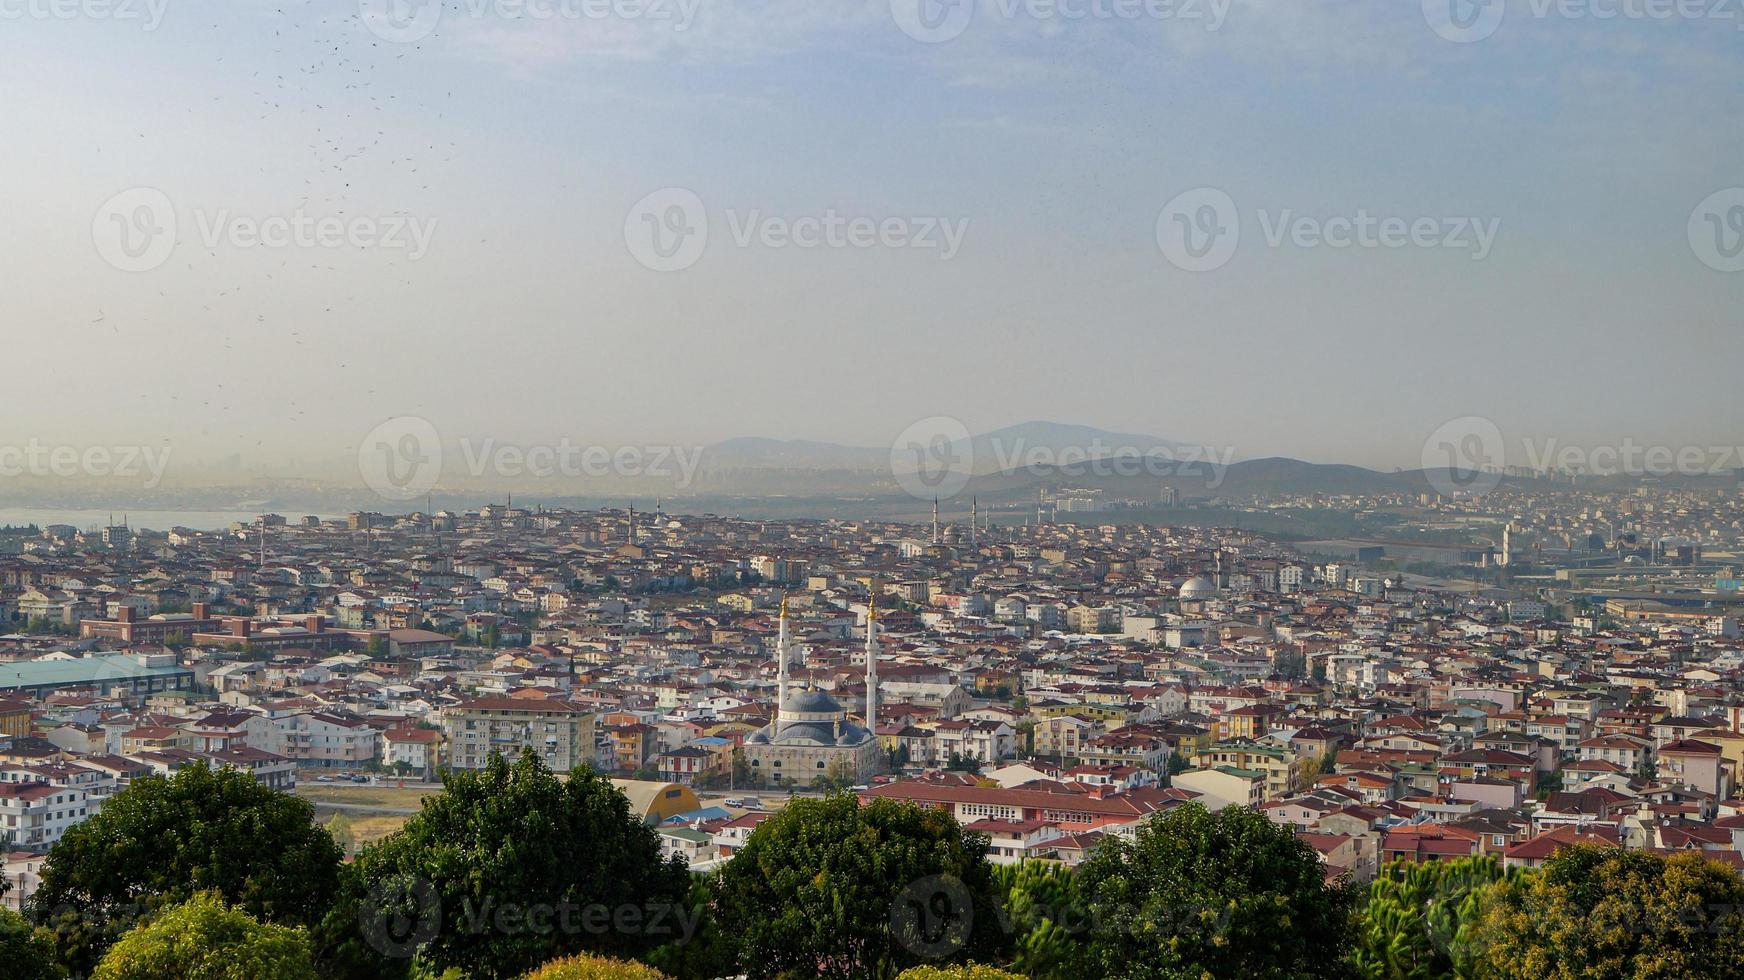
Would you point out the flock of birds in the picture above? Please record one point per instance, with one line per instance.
(336, 75)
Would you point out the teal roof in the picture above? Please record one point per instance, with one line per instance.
(99, 668)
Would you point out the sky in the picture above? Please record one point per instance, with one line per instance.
(992, 213)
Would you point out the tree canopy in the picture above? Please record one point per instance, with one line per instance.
(1417, 918)
(1225, 894)
(204, 939)
(510, 867)
(1605, 912)
(830, 888)
(27, 952)
(160, 841)
(584, 966)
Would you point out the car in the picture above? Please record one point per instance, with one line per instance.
(359, 779)
(323, 779)
(746, 803)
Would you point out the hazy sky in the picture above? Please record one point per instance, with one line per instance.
(1050, 143)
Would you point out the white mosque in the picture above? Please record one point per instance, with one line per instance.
(811, 731)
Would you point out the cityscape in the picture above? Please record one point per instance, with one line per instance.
(879, 490)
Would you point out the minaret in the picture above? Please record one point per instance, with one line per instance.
(974, 515)
(872, 664)
(935, 520)
(781, 665)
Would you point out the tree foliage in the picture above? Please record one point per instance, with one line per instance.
(585, 966)
(1046, 917)
(1417, 918)
(509, 867)
(830, 888)
(971, 971)
(204, 939)
(1225, 894)
(26, 952)
(1604, 912)
(160, 841)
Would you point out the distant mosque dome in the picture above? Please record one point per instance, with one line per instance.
(801, 706)
(1198, 587)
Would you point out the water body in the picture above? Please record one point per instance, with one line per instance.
(151, 520)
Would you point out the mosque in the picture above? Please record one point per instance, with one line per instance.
(811, 731)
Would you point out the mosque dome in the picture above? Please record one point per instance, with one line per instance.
(1198, 587)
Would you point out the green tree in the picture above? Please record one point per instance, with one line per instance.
(1225, 894)
(959, 762)
(204, 939)
(160, 841)
(1045, 913)
(971, 971)
(1604, 912)
(1416, 919)
(508, 867)
(27, 951)
(339, 826)
(830, 888)
(583, 966)
(839, 776)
